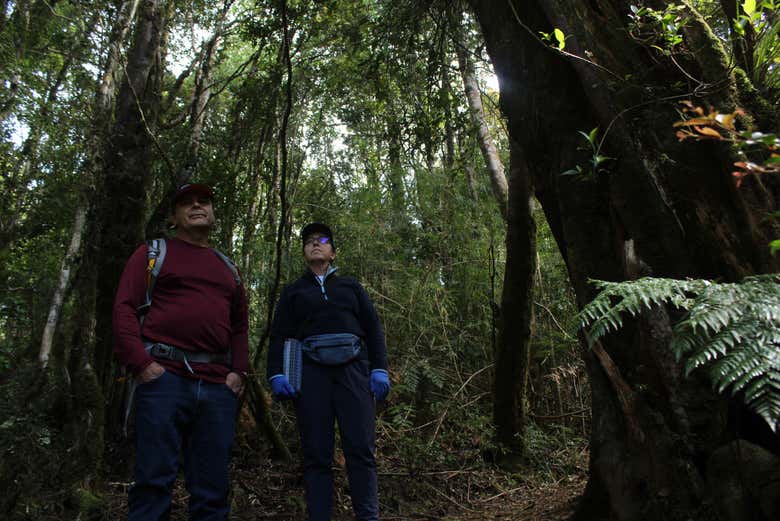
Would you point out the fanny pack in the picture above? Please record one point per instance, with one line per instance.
(332, 348)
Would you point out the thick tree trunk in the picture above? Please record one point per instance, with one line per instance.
(659, 207)
(68, 385)
(513, 349)
(126, 11)
(126, 176)
(105, 94)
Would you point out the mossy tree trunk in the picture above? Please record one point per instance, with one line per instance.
(659, 207)
(121, 216)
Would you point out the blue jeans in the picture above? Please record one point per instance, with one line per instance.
(337, 393)
(180, 416)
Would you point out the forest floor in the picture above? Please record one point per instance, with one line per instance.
(264, 488)
(275, 492)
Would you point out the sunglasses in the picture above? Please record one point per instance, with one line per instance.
(315, 240)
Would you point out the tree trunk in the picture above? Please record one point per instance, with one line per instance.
(659, 207)
(259, 398)
(513, 350)
(73, 391)
(105, 93)
(203, 87)
(126, 177)
(395, 175)
(474, 97)
(64, 283)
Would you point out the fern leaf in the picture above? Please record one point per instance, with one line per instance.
(732, 329)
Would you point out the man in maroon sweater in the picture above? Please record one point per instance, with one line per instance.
(188, 356)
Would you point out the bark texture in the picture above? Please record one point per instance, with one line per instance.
(659, 207)
(126, 176)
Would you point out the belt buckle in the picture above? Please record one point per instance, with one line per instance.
(164, 351)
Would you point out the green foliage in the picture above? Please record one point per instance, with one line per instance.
(658, 29)
(731, 330)
(596, 160)
(753, 13)
(557, 35)
(766, 54)
(41, 471)
(380, 145)
(553, 454)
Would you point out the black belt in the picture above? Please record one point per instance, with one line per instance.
(169, 352)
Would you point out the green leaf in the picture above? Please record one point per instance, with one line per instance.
(664, 51)
(774, 246)
(592, 135)
(597, 160)
(560, 37)
(749, 7)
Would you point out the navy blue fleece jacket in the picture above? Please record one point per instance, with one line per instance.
(340, 305)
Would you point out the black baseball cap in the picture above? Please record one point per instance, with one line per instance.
(312, 228)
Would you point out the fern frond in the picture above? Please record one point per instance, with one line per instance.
(604, 313)
(731, 329)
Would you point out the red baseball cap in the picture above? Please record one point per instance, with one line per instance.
(193, 188)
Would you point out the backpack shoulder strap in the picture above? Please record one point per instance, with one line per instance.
(155, 257)
(230, 264)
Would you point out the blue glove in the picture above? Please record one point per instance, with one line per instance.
(380, 384)
(281, 388)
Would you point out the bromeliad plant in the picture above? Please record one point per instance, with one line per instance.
(730, 330)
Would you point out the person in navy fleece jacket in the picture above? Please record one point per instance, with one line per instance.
(321, 302)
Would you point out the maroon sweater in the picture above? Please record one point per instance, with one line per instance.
(196, 306)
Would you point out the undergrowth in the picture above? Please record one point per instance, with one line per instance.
(40, 475)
